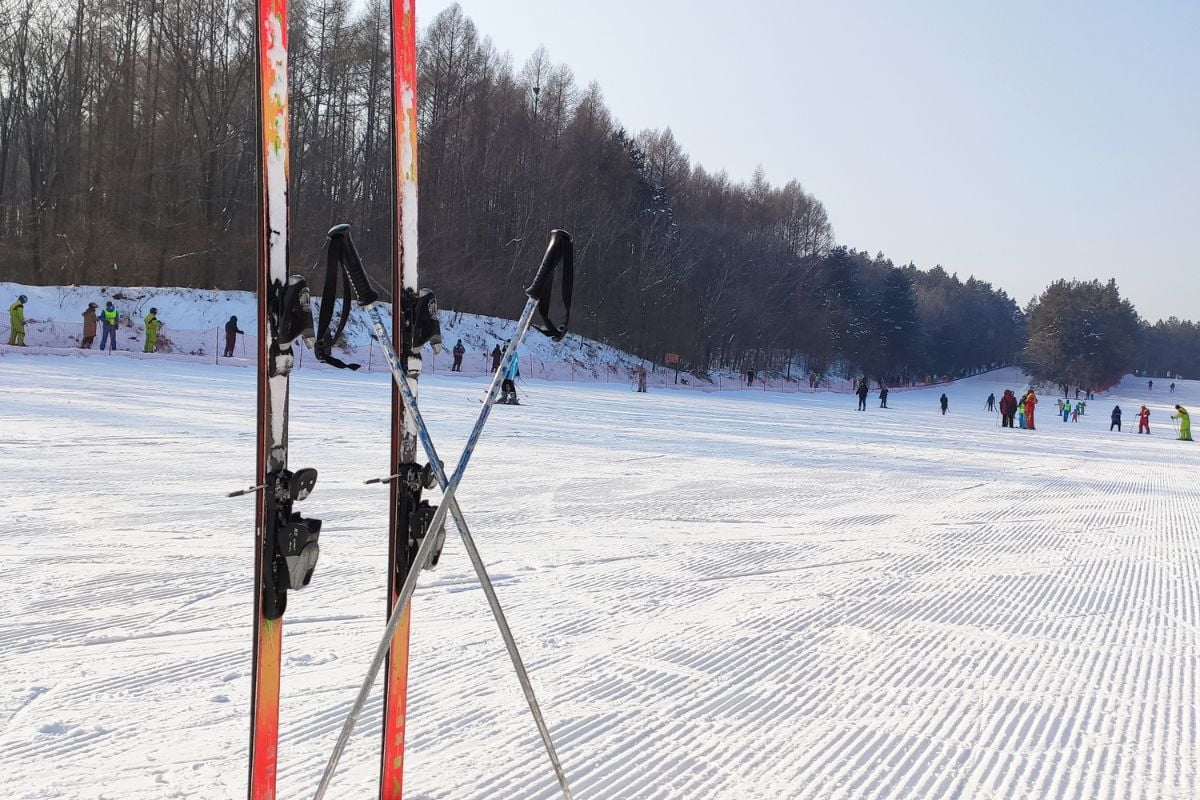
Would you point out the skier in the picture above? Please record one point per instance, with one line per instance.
(883, 393)
(862, 395)
(153, 323)
(991, 402)
(1116, 419)
(108, 319)
(641, 378)
(1008, 408)
(1185, 423)
(1021, 413)
(1075, 413)
(1172, 387)
(749, 377)
(1066, 411)
(496, 354)
(459, 351)
(89, 327)
(508, 389)
(945, 403)
(231, 332)
(1030, 401)
(1150, 384)
(16, 322)
(1144, 420)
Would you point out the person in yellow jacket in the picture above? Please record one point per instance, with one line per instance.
(16, 322)
(109, 319)
(153, 323)
(1185, 423)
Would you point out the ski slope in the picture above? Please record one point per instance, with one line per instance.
(745, 595)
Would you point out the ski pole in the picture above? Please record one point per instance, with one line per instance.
(560, 248)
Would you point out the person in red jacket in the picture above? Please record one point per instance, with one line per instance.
(1008, 408)
(1030, 402)
(1144, 420)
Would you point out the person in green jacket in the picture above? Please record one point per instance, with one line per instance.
(16, 322)
(153, 323)
(1185, 423)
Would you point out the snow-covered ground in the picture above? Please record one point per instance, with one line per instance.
(745, 595)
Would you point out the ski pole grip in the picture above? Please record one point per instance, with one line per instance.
(560, 242)
(342, 246)
(561, 250)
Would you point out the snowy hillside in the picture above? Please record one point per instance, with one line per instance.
(195, 318)
(743, 595)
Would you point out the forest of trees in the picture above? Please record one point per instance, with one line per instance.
(127, 133)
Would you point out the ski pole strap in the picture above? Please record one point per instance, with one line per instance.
(342, 259)
(560, 249)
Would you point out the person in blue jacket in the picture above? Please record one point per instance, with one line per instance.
(508, 389)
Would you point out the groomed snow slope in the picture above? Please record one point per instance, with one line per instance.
(744, 595)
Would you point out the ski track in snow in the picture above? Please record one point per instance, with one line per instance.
(737, 596)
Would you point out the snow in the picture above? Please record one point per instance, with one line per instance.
(194, 322)
(740, 595)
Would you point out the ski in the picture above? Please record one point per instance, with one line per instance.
(407, 511)
(285, 543)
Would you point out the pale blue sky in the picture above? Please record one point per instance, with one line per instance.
(1019, 141)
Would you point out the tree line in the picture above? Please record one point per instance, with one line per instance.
(127, 132)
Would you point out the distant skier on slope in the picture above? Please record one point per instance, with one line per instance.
(991, 402)
(945, 403)
(109, 318)
(231, 333)
(1150, 385)
(883, 393)
(153, 323)
(89, 327)
(1144, 420)
(16, 322)
(1185, 423)
(1008, 408)
(496, 354)
(1172, 387)
(1116, 419)
(862, 395)
(1066, 411)
(1030, 402)
(459, 351)
(508, 389)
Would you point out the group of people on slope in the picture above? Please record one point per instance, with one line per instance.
(1181, 414)
(107, 319)
(863, 388)
(1071, 413)
(1016, 413)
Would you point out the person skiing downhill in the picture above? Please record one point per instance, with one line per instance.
(1185, 423)
(108, 319)
(991, 402)
(945, 403)
(16, 322)
(89, 326)
(1008, 409)
(231, 332)
(1144, 420)
(508, 389)
(1030, 402)
(153, 323)
(862, 395)
(1116, 419)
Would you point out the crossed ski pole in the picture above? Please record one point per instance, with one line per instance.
(560, 248)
